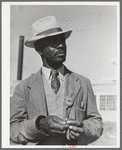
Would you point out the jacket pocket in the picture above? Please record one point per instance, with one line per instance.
(80, 113)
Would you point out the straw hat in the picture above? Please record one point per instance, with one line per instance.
(45, 27)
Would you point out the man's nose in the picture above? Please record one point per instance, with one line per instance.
(60, 45)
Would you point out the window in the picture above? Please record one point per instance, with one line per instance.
(108, 102)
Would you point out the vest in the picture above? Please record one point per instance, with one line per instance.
(55, 107)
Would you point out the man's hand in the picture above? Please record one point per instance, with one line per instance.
(75, 129)
(54, 125)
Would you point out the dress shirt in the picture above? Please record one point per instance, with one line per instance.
(48, 75)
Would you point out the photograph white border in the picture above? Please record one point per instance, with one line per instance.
(6, 70)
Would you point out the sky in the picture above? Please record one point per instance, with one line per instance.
(91, 48)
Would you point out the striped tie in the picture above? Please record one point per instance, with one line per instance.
(55, 83)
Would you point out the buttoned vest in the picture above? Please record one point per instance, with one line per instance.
(55, 104)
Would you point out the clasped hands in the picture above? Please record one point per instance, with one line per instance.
(56, 126)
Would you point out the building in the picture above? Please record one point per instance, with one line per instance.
(106, 98)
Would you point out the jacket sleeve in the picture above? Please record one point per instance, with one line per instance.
(22, 130)
(92, 125)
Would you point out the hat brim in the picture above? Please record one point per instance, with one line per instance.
(32, 41)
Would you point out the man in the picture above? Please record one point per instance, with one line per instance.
(54, 106)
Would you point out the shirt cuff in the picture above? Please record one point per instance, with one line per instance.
(42, 130)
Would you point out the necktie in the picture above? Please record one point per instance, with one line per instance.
(55, 83)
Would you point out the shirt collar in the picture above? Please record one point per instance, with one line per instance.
(47, 72)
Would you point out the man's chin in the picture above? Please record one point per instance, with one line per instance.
(56, 63)
(60, 61)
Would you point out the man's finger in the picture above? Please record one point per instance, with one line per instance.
(72, 136)
(60, 127)
(74, 123)
(55, 132)
(76, 129)
(75, 134)
(59, 121)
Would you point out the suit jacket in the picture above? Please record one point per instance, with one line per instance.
(29, 102)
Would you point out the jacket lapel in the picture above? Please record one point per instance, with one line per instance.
(72, 86)
(37, 93)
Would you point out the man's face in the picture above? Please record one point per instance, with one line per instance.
(54, 50)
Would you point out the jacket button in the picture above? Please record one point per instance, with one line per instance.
(68, 101)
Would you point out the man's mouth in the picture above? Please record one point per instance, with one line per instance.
(61, 53)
